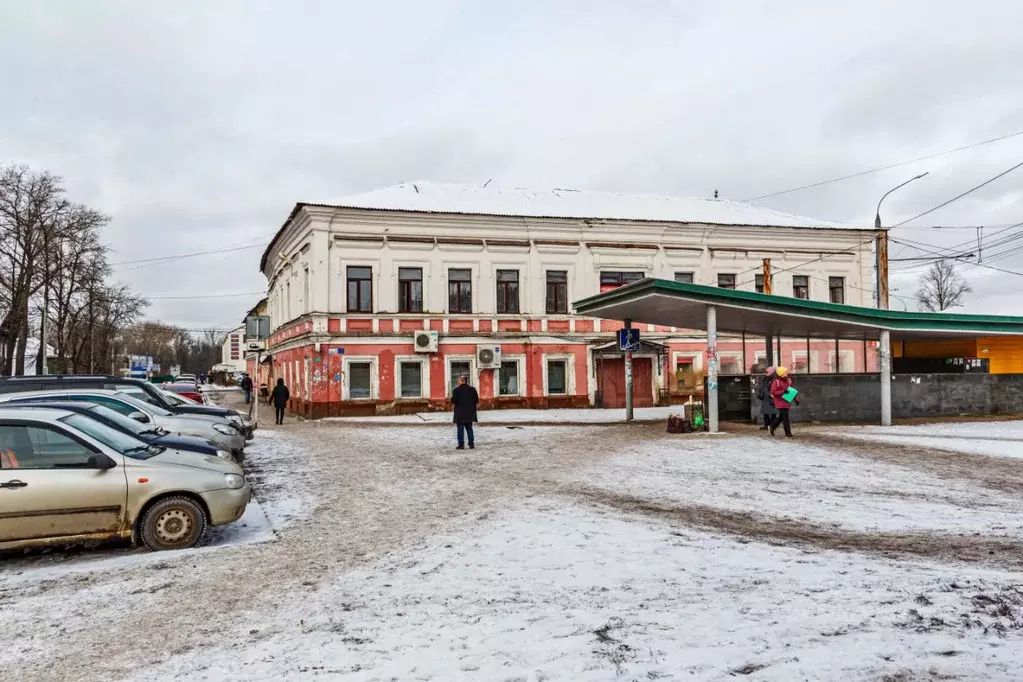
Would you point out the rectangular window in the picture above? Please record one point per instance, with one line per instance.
(557, 292)
(411, 380)
(836, 289)
(557, 377)
(458, 368)
(508, 381)
(360, 289)
(612, 279)
(459, 290)
(685, 376)
(508, 292)
(801, 286)
(358, 380)
(731, 363)
(410, 290)
(684, 277)
(726, 281)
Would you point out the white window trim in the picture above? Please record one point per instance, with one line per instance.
(521, 268)
(801, 355)
(474, 283)
(424, 376)
(569, 372)
(569, 271)
(423, 265)
(449, 385)
(694, 355)
(731, 354)
(520, 373)
(847, 355)
(374, 376)
(374, 284)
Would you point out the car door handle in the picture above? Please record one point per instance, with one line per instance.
(13, 484)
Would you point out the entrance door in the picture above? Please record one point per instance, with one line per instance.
(611, 381)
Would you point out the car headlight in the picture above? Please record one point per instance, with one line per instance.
(234, 481)
(224, 429)
(224, 454)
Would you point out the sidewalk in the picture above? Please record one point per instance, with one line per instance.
(566, 417)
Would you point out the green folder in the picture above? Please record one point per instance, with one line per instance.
(790, 394)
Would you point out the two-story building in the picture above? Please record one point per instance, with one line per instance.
(379, 301)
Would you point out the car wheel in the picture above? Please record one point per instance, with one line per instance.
(173, 523)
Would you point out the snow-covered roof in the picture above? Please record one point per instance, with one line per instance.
(433, 197)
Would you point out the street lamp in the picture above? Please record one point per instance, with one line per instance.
(881, 247)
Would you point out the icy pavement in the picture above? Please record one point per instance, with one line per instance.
(563, 553)
(994, 439)
(558, 416)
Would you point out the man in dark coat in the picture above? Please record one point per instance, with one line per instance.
(465, 398)
(246, 385)
(767, 410)
(279, 397)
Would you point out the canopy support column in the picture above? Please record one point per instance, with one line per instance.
(712, 369)
(886, 378)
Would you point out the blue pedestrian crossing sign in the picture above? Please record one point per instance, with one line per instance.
(628, 340)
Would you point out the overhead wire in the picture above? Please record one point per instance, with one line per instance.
(960, 196)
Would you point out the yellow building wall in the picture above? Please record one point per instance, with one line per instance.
(1004, 353)
(938, 348)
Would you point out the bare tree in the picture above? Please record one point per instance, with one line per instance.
(942, 287)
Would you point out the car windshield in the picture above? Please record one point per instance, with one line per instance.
(121, 421)
(143, 406)
(123, 443)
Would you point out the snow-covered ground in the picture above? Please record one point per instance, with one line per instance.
(559, 553)
(559, 416)
(995, 439)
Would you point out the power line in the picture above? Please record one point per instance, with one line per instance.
(960, 196)
(942, 256)
(202, 296)
(168, 259)
(883, 168)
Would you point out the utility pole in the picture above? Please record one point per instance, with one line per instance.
(881, 248)
(628, 378)
(768, 289)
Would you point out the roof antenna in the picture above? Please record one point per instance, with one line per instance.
(415, 188)
(487, 182)
(715, 194)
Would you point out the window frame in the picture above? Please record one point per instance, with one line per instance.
(405, 288)
(89, 447)
(569, 378)
(347, 362)
(832, 289)
(357, 308)
(507, 291)
(797, 287)
(726, 274)
(518, 362)
(559, 287)
(456, 286)
(450, 381)
(688, 276)
(399, 387)
(622, 278)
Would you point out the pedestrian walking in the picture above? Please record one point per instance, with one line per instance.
(465, 399)
(246, 384)
(767, 410)
(279, 398)
(784, 395)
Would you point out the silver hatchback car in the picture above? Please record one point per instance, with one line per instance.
(67, 478)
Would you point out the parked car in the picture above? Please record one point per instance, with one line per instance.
(211, 428)
(151, 393)
(186, 379)
(67, 478)
(149, 433)
(190, 391)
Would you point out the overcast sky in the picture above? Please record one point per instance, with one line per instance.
(198, 125)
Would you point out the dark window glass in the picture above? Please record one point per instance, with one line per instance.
(38, 447)
(684, 277)
(508, 381)
(557, 292)
(410, 290)
(358, 380)
(556, 377)
(613, 279)
(836, 289)
(459, 291)
(726, 281)
(508, 291)
(360, 290)
(458, 368)
(801, 286)
(411, 380)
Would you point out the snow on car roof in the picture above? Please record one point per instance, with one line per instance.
(434, 197)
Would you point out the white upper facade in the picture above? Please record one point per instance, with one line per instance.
(232, 352)
(359, 256)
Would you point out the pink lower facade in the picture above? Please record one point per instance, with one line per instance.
(350, 367)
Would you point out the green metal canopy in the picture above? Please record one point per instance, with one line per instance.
(674, 304)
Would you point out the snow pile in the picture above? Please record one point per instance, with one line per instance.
(994, 439)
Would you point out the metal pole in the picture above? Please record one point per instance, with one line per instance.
(865, 365)
(712, 369)
(807, 353)
(628, 379)
(769, 344)
(43, 366)
(745, 367)
(838, 358)
(886, 378)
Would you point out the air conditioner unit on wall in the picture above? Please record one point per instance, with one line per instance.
(426, 341)
(488, 356)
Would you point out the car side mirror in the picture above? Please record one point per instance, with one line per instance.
(140, 417)
(100, 461)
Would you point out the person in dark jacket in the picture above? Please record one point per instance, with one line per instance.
(279, 397)
(246, 385)
(767, 410)
(465, 398)
(781, 383)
